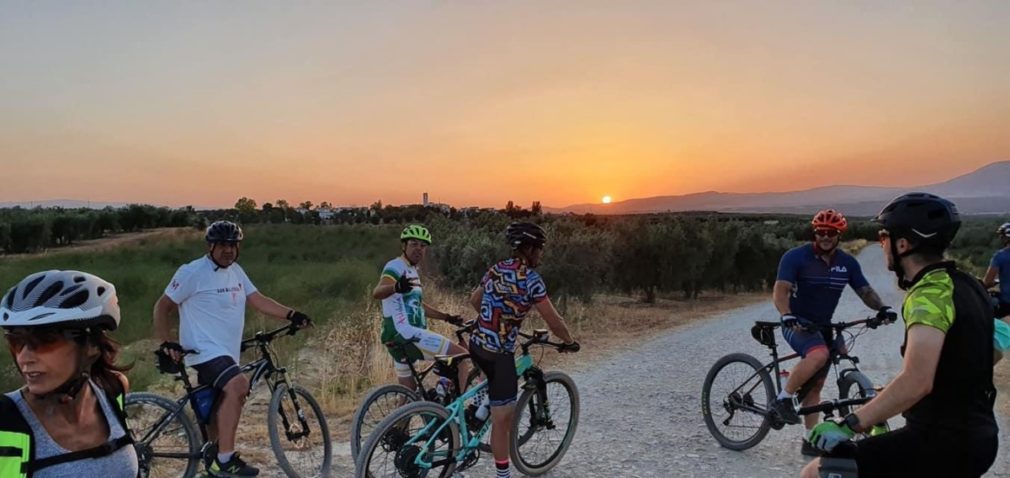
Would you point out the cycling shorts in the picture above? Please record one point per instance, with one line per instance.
(804, 341)
(922, 452)
(428, 345)
(217, 372)
(500, 370)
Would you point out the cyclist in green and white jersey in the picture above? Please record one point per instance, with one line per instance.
(404, 313)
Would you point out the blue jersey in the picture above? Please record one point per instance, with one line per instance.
(817, 286)
(1001, 262)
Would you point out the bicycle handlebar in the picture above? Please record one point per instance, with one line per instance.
(872, 322)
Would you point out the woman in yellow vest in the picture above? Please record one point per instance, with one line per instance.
(67, 420)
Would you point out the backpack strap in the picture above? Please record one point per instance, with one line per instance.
(13, 424)
(105, 449)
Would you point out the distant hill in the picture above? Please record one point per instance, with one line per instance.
(64, 203)
(983, 191)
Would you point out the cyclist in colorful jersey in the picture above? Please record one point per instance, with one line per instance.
(945, 389)
(68, 418)
(210, 295)
(810, 281)
(999, 267)
(404, 313)
(505, 295)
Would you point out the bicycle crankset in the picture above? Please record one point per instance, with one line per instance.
(405, 462)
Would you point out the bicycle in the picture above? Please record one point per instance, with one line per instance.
(745, 402)
(384, 399)
(423, 437)
(166, 438)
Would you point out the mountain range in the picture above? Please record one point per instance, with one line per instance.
(983, 191)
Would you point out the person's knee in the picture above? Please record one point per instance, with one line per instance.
(817, 356)
(812, 470)
(237, 388)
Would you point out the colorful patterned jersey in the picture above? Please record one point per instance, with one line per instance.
(511, 288)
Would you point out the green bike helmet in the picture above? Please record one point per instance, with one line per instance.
(416, 231)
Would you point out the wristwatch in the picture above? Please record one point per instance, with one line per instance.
(852, 421)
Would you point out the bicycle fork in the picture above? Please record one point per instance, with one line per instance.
(540, 410)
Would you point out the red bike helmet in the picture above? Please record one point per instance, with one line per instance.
(830, 219)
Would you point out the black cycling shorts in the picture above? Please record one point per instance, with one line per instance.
(1002, 310)
(217, 372)
(921, 452)
(500, 370)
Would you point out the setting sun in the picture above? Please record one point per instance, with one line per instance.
(606, 199)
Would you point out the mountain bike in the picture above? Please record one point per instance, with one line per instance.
(425, 438)
(384, 399)
(167, 440)
(738, 392)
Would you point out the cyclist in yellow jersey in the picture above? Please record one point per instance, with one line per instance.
(944, 389)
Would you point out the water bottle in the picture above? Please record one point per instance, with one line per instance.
(484, 409)
(442, 388)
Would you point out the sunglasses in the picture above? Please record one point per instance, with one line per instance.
(826, 232)
(41, 341)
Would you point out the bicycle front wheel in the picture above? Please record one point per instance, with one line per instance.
(735, 401)
(544, 426)
(856, 385)
(417, 440)
(377, 405)
(298, 433)
(166, 440)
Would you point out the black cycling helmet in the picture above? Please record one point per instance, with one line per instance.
(224, 231)
(525, 233)
(921, 217)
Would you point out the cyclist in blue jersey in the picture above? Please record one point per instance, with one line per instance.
(507, 292)
(810, 281)
(999, 267)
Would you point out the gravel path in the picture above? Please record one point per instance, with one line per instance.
(641, 409)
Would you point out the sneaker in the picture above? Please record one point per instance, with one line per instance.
(786, 411)
(806, 449)
(235, 467)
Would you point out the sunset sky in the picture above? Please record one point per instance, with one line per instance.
(480, 102)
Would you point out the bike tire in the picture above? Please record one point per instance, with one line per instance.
(292, 401)
(852, 385)
(377, 404)
(752, 378)
(528, 407)
(393, 425)
(178, 436)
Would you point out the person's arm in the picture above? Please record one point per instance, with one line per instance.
(915, 381)
(164, 308)
(268, 306)
(434, 313)
(554, 320)
(990, 277)
(475, 297)
(384, 288)
(870, 297)
(780, 296)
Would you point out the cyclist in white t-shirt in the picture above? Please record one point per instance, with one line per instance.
(404, 313)
(211, 294)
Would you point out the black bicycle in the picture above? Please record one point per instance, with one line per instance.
(384, 399)
(169, 444)
(738, 392)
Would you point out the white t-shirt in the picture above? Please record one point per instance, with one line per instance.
(211, 308)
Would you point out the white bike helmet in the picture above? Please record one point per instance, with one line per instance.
(69, 299)
(1003, 230)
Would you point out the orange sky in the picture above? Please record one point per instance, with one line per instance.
(478, 104)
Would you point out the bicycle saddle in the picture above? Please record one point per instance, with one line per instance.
(448, 360)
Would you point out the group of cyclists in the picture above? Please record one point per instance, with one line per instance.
(68, 420)
(944, 389)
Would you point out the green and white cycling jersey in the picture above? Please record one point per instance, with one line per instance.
(402, 314)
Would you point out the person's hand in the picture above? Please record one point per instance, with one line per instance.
(790, 321)
(299, 319)
(171, 350)
(403, 285)
(453, 319)
(827, 435)
(570, 347)
(887, 315)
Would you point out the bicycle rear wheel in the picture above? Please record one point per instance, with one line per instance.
(377, 405)
(735, 400)
(413, 433)
(167, 444)
(298, 433)
(543, 429)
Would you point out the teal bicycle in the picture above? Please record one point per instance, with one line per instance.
(424, 439)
